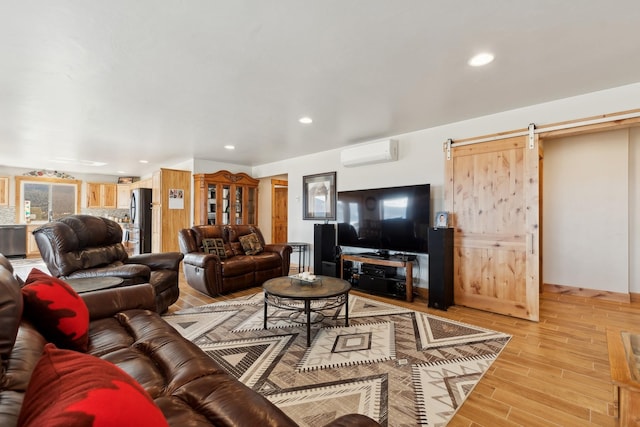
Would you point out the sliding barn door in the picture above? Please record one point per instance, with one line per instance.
(492, 190)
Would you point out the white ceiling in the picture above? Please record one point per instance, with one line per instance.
(117, 81)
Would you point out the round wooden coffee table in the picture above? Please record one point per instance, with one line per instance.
(281, 292)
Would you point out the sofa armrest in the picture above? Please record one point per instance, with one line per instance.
(285, 254)
(282, 249)
(107, 302)
(201, 259)
(126, 271)
(159, 261)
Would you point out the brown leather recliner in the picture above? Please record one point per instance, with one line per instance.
(89, 246)
(214, 275)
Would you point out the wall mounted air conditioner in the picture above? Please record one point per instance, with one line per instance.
(370, 153)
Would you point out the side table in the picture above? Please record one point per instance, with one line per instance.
(301, 248)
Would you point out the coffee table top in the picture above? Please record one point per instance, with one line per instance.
(323, 287)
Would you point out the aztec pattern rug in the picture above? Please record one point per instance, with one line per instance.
(395, 365)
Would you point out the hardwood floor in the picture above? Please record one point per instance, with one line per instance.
(552, 373)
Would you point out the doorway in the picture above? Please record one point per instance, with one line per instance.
(279, 210)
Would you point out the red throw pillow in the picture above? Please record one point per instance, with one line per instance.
(74, 389)
(56, 311)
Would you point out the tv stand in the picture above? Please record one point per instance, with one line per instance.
(383, 254)
(390, 262)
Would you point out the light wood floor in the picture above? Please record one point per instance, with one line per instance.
(555, 372)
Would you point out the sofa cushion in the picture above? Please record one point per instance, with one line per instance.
(215, 246)
(267, 261)
(238, 265)
(251, 244)
(56, 310)
(68, 388)
(236, 248)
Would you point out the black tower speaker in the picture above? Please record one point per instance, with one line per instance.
(324, 250)
(440, 268)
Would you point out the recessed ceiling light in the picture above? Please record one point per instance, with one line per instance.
(121, 172)
(66, 160)
(230, 147)
(144, 161)
(481, 59)
(305, 120)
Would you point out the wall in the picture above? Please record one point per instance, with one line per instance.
(586, 211)
(422, 160)
(419, 162)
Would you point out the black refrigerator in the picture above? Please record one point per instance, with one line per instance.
(140, 225)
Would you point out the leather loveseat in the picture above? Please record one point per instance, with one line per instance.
(229, 266)
(78, 246)
(181, 381)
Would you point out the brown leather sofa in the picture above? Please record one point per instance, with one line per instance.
(189, 387)
(213, 274)
(79, 246)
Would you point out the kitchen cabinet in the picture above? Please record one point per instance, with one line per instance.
(225, 198)
(101, 195)
(123, 196)
(143, 183)
(32, 246)
(4, 191)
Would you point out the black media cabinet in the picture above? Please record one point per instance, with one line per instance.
(383, 281)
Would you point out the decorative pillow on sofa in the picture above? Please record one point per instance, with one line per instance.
(56, 310)
(68, 388)
(251, 244)
(214, 246)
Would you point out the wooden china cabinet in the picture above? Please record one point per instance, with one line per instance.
(225, 198)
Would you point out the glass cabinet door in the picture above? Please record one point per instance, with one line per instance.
(226, 204)
(238, 207)
(224, 198)
(251, 206)
(211, 204)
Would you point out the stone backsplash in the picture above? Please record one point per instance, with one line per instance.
(7, 215)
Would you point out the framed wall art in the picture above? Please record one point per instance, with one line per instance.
(319, 196)
(442, 220)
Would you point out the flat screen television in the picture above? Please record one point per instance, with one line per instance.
(385, 219)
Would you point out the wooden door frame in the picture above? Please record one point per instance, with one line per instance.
(275, 183)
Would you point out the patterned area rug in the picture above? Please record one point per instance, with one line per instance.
(398, 366)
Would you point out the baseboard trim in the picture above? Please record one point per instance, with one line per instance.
(589, 293)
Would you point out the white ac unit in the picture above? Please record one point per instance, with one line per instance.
(370, 153)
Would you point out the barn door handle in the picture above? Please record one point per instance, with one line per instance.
(532, 243)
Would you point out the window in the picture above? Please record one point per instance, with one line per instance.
(46, 199)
